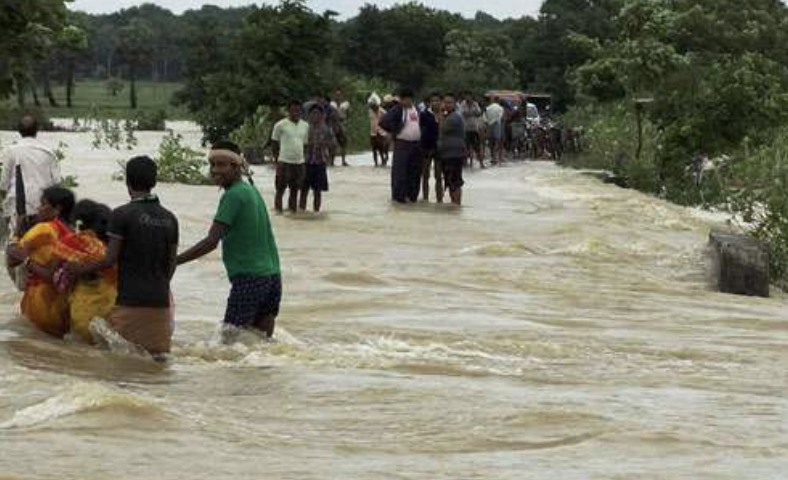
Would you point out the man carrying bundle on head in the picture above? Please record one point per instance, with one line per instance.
(249, 250)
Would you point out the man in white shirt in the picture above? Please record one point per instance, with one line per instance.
(406, 166)
(33, 163)
(493, 117)
(29, 168)
(289, 138)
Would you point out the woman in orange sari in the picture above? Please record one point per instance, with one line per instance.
(93, 295)
(42, 303)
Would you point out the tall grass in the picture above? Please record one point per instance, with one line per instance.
(610, 143)
(757, 188)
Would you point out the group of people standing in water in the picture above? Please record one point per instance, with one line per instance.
(79, 260)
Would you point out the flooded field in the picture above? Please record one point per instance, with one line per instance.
(553, 328)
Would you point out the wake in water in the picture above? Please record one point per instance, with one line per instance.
(384, 352)
(107, 338)
(81, 398)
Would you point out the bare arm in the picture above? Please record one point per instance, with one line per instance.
(15, 254)
(206, 245)
(275, 150)
(110, 259)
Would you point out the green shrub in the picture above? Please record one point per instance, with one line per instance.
(151, 120)
(9, 118)
(757, 185)
(177, 163)
(357, 91)
(115, 85)
(253, 134)
(610, 143)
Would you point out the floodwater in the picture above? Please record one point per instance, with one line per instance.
(552, 328)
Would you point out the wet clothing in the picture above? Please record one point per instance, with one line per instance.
(494, 117)
(149, 328)
(289, 175)
(291, 137)
(248, 247)
(39, 168)
(452, 173)
(42, 303)
(452, 137)
(428, 122)
(320, 140)
(379, 143)
(253, 297)
(316, 178)
(472, 114)
(90, 296)
(406, 170)
(374, 122)
(149, 235)
(411, 127)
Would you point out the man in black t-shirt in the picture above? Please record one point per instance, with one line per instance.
(143, 242)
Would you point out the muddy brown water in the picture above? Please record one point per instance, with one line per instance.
(552, 328)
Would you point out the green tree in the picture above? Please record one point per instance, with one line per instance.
(23, 24)
(478, 60)
(405, 44)
(135, 40)
(71, 43)
(547, 56)
(716, 78)
(280, 52)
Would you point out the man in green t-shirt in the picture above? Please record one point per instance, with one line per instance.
(248, 247)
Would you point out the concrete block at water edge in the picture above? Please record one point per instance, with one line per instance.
(741, 264)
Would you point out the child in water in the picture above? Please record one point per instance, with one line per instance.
(91, 295)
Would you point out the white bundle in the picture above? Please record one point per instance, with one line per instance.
(374, 99)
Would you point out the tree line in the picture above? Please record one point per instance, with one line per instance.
(266, 52)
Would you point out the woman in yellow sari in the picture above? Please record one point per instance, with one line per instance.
(42, 304)
(93, 295)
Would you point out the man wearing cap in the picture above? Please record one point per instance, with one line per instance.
(249, 250)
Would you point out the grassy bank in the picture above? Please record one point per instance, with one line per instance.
(748, 182)
(91, 95)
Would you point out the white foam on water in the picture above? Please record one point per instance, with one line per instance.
(108, 338)
(384, 352)
(80, 398)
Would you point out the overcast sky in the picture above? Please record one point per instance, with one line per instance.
(499, 8)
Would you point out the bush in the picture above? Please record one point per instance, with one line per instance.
(177, 163)
(252, 136)
(151, 120)
(115, 85)
(758, 182)
(610, 141)
(357, 92)
(9, 119)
